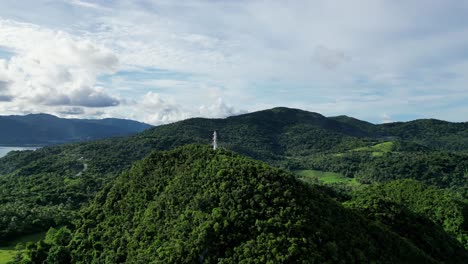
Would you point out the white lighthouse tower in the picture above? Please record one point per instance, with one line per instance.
(215, 140)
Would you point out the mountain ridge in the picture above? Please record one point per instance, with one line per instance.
(45, 129)
(54, 179)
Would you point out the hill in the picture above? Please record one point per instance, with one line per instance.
(193, 204)
(375, 164)
(371, 129)
(440, 206)
(44, 129)
(266, 135)
(437, 134)
(46, 187)
(432, 133)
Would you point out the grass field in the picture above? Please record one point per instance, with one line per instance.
(324, 177)
(8, 251)
(378, 149)
(381, 147)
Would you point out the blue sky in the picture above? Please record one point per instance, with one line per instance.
(160, 61)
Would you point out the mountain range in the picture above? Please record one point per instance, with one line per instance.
(416, 163)
(45, 129)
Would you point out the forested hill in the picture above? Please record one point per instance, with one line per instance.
(44, 129)
(284, 131)
(44, 188)
(433, 133)
(266, 135)
(196, 205)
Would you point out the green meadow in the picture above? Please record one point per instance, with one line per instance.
(324, 177)
(378, 149)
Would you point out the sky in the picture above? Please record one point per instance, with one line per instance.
(160, 61)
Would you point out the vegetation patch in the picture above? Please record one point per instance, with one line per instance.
(10, 249)
(196, 205)
(384, 147)
(324, 177)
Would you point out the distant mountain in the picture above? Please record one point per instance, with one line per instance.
(44, 129)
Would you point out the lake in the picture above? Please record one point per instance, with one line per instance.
(5, 150)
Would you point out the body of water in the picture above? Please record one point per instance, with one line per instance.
(5, 150)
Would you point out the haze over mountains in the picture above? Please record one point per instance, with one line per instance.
(45, 129)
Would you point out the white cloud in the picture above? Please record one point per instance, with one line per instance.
(153, 109)
(158, 111)
(386, 118)
(218, 109)
(54, 68)
(335, 57)
(86, 4)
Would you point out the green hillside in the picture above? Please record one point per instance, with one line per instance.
(268, 135)
(44, 188)
(440, 206)
(433, 133)
(194, 204)
(441, 169)
(322, 177)
(367, 127)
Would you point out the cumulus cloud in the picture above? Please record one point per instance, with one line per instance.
(386, 118)
(152, 108)
(92, 97)
(54, 68)
(219, 109)
(159, 111)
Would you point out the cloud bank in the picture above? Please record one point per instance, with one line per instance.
(53, 68)
(161, 61)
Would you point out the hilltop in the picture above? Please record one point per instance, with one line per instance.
(193, 204)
